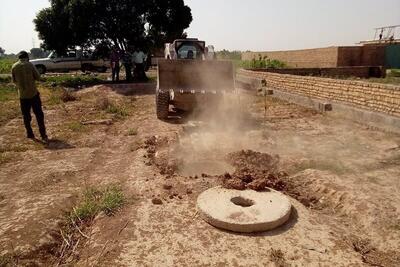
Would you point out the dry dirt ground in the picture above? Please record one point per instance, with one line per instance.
(346, 179)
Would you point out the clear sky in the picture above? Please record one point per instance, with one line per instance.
(256, 25)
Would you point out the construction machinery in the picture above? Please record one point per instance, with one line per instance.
(189, 77)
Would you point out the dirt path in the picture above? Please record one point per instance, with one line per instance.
(350, 170)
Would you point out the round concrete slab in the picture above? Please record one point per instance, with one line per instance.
(243, 211)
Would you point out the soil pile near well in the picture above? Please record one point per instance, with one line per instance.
(256, 171)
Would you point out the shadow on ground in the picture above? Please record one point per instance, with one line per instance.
(128, 89)
(55, 144)
(291, 222)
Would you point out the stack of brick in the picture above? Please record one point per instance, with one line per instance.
(371, 96)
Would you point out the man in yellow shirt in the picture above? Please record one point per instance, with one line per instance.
(24, 75)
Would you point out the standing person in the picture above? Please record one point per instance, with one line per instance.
(127, 62)
(138, 59)
(24, 75)
(114, 62)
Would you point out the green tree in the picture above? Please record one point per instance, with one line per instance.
(2, 52)
(120, 23)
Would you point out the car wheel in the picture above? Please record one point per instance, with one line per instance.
(41, 69)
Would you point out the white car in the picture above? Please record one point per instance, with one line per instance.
(72, 60)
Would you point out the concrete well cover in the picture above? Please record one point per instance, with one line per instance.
(243, 211)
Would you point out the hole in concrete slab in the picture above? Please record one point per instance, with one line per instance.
(243, 202)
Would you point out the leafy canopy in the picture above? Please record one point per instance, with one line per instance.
(104, 23)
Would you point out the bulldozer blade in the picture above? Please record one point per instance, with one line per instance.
(195, 75)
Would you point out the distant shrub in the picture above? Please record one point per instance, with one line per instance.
(394, 73)
(229, 55)
(262, 64)
(6, 65)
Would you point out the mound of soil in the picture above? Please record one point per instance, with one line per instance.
(256, 171)
(253, 160)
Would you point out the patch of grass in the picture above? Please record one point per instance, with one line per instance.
(112, 200)
(57, 96)
(74, 81)
(118, 110)
(108, 200)
(94, 200)
(132, 131)
(8, 92)
(387, 80)
(54, 98)
(76, 126)
(88, 208)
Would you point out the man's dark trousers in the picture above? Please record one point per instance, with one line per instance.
(128, 69)
(139, 70)
(115, 73)
(36, 104)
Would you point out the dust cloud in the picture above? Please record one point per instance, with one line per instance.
(215, 131)
(302, 142)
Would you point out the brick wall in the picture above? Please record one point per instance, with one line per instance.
(373, 55)
(349, 56)
(357, 71)
(370, 96)
(368, 55)
(329, 57)
(307, 58)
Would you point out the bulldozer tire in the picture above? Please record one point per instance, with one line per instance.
(162, 105)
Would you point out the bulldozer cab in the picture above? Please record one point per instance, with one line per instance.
(190, 49)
